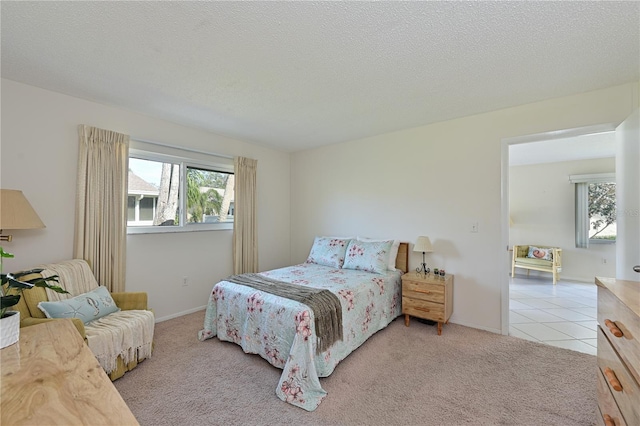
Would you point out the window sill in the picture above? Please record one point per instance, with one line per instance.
(176, 229)
(602, 241)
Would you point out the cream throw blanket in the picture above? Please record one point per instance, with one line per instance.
(125, 333)
(128, 334)
(75, 276)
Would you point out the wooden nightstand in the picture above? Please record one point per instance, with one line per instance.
(429, 297)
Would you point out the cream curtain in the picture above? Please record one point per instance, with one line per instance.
(245, 234)
(101, 215)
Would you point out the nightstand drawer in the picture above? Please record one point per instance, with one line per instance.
(423, 309)
(423, 291)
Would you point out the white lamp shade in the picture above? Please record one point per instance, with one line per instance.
(423, 244)
(16, 211)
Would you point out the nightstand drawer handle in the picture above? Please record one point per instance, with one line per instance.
(613, 380)
(613, 328)
(423, 291)
(423, 309)
(608, 421)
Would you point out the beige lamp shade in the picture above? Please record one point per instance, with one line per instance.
(423, 244)
(16, 211)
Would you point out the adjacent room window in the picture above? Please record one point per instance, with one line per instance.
(167, 193)
(595, 208)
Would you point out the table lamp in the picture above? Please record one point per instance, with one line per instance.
(16, 213)
(423, 244)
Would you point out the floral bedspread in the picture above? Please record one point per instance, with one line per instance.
(282, 331)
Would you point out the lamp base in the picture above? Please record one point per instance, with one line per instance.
(423, 269)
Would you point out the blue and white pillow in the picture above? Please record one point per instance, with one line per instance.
(370, 256)
(328, 251)
(393, 254)
(88, 306)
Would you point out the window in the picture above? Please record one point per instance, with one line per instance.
(168, 193)
(209, 196)
(595, 208)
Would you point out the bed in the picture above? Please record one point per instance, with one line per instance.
(283, 331)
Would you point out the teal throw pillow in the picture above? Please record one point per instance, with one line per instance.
(88, 306)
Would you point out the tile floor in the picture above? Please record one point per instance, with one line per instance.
(564, 315)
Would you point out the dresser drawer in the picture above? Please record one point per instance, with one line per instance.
(611, 312)
(423, 309)
(423, 291)
(608, 409)
(628, 398)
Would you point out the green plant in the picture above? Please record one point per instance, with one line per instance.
(12, 286)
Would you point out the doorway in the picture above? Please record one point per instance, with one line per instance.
(537, 168)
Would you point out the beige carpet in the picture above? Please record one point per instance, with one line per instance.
(401, 376)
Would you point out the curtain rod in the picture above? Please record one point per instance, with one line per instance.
(166, 145)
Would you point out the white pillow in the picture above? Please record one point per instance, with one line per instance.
(540, 253)
(393, 253)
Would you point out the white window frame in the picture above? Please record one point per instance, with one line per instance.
(582, 223)
(183, 162)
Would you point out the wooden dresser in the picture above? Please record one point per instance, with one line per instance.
(51, 377)
(428, 297)
(618, 352)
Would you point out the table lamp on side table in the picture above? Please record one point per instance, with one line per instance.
(423, 244)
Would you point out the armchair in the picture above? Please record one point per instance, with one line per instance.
(133, 324)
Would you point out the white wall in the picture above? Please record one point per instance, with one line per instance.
(628, 192)
(542, 208)
(39, 157)
(435, 180)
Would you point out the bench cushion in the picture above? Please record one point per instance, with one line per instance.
(533, 262)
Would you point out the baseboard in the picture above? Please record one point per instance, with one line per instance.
(179, 314)
(560, 278)
(578, 279)
(489, 329)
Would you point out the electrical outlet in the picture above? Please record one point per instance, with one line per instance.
(185, 281)
(474, 227)
(604, 260)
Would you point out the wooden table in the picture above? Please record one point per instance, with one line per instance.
(51, 377)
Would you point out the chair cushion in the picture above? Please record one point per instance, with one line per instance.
(88, 306)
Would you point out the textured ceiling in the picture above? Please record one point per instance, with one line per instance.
(294, 75)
